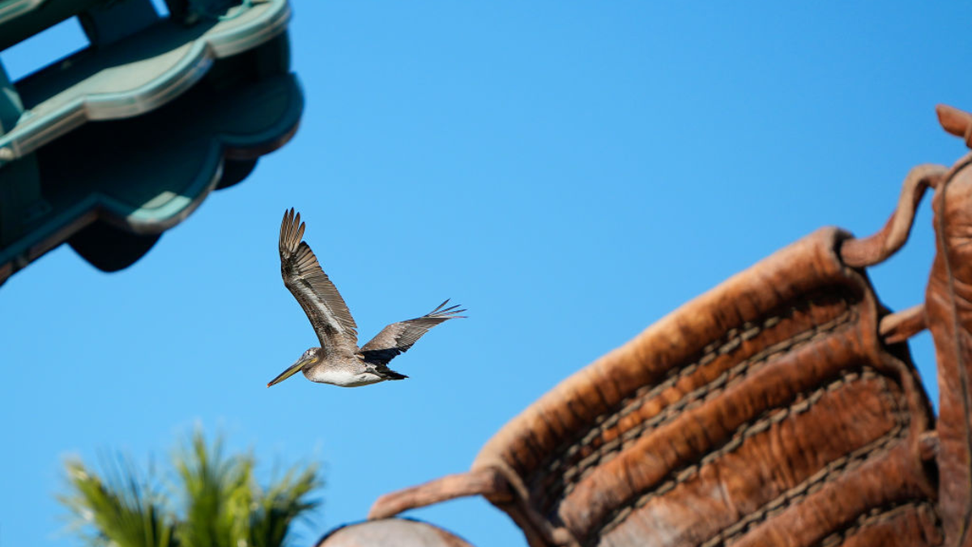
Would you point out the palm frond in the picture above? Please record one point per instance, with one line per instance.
(221, 504)
(122, 509)
(218, 494)
(284, 501)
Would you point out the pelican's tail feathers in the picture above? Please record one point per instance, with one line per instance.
(389, 374)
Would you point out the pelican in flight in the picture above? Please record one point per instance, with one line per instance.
(339, 361)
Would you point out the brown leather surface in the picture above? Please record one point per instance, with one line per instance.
(948, 313)
(912, 524)
(766, 411)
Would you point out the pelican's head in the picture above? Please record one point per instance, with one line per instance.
(310, 357)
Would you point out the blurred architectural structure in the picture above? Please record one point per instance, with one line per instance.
(113, 145)
(780, 408)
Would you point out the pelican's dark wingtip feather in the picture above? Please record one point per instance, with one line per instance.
(291, 232)
(442, 311)
(450, 313)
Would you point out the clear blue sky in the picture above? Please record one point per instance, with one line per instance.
(569, 171)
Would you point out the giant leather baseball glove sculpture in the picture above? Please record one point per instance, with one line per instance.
(780, 408)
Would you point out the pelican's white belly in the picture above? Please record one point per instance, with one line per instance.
(341, 377)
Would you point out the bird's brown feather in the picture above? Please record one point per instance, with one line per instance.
(317, 295)
(398, 337)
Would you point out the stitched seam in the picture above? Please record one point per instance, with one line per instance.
(876, 516)
(830, 472)
(571, 471)
(759, 425)
(632, 403)
(693, 399)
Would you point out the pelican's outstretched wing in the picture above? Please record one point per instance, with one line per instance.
(398, 337)
(302, 274)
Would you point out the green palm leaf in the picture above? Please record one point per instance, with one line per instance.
(284, 501)
(219, 502)
(122, 509)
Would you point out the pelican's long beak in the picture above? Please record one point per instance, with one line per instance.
(291, 370)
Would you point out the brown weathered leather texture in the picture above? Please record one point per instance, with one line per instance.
(948, 314)
(765, 412)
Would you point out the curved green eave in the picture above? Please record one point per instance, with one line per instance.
(135, 75)
(143, 175)
(112, 151)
